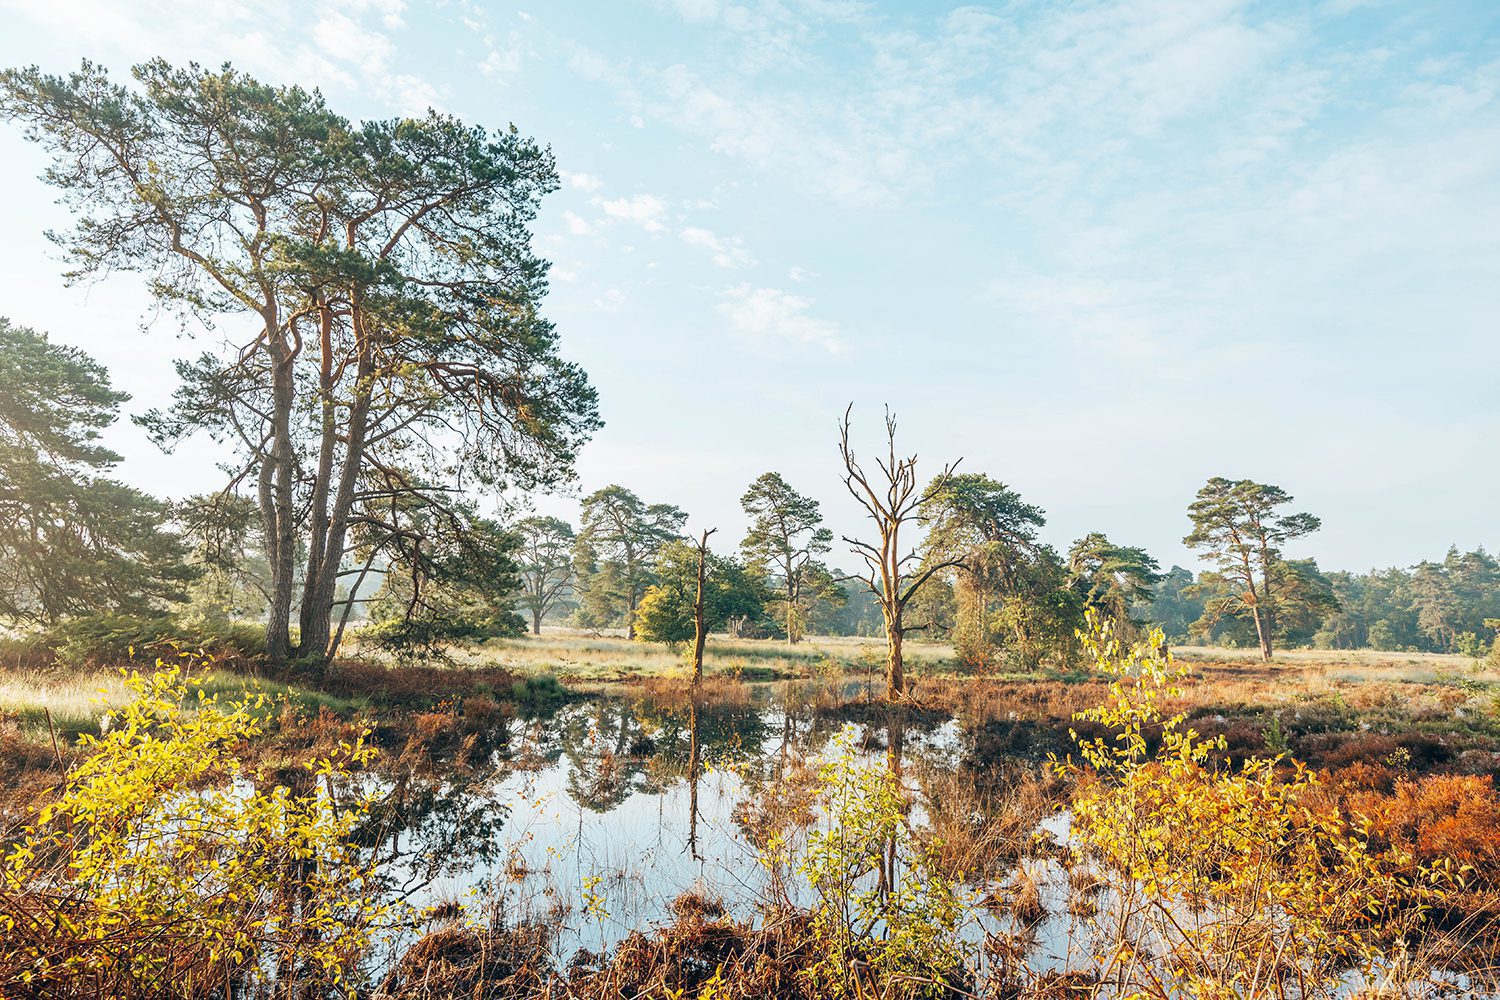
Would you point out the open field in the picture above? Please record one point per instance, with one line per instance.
(1430, 687)
(576, 656)
(606, 655)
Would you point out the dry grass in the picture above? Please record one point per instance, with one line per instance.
(1025, 898)
(575, 656)
(981, 825)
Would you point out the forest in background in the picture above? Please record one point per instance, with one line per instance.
(92, 565)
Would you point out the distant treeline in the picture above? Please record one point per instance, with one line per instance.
(1434, 606)
(102, 568)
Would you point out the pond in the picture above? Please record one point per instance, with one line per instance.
(593, 819)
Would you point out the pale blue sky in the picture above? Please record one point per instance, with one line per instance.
(1103, 251)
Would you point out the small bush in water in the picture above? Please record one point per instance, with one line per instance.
(885, 918)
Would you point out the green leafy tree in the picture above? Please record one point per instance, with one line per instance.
(599, 592)
(71, 540)
(222, 531)
(1040, 612)
(619, 542)
(935, 608)
(546, 566)
(397, 348)
(1452, 599)
(785, 539)
(988, 533)
(1237, 524)
(856, 613)
(1435, 606)
(1383, 637)
(454, 581)
(1171, 606)
(1112, 579)
(730, 590)
(1305, 600)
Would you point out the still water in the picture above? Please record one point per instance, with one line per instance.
(596, 817)
(592, 819)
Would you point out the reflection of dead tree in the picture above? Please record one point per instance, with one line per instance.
(890, 503)
(693, 764)
(895, 746)
(700, 637)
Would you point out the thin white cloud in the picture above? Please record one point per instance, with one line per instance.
(645, 210)
(343, 38)
(587, 183)
(503, 62)
(577, 224)
(727, 252)
(609, 300)
(410, 95)
(773, 313)
(331, 44)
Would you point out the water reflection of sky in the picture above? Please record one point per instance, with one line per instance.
(579, 805)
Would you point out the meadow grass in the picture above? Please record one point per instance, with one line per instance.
(1338, 688)
(77, 701)
(578, 657)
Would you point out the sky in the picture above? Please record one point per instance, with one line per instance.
(1100, 251)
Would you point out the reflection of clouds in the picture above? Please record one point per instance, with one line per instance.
(579, 807)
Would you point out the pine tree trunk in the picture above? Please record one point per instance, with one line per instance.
(793, 626)
(1266, 609)
(277, 510)
(321, 587)
(1263, 632)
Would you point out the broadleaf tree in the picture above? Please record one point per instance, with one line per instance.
(377, 289)
(666, 610)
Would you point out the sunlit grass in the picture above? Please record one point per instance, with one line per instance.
(78, 702)
(581, 657)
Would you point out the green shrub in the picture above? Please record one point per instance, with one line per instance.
(886, 917)
(26, 651)
(101, 640)
(430, 637)
(539, 695)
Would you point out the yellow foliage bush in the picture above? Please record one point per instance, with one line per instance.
(885, 915)
(1226, 881)
(165, 867)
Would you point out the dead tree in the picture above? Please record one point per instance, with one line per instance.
(891, 502)
(700, 624)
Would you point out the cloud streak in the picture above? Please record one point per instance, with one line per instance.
(770, 313)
